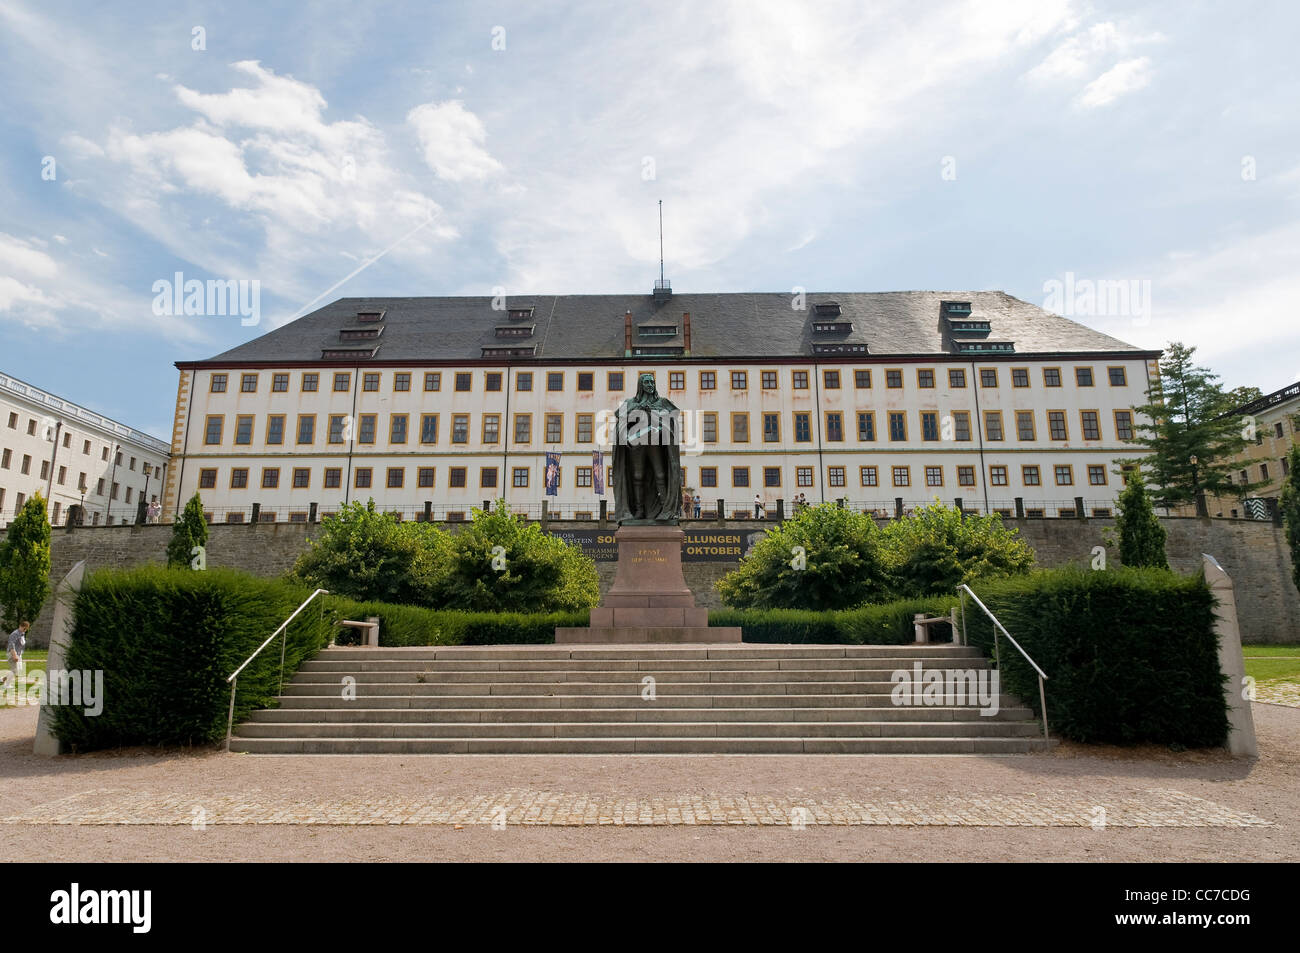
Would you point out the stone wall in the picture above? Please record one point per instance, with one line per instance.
(1252, 552)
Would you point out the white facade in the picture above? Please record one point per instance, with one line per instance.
(73, 457)
(869, 430)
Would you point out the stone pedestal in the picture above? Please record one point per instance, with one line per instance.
(649, 601)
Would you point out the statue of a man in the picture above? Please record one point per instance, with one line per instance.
(647, 458)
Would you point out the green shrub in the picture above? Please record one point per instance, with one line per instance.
(1141, 534)
(25, 565)
(1131, 654)
(937, 548)
(166, 640)
(889, 623)
(189, 531)
(414, 625)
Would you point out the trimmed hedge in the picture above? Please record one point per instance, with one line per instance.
(413, 625)
(1131, 654)
(166, 639)
(888, 623)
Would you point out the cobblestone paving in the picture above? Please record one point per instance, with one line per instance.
(1279, 693)
(1159, 808)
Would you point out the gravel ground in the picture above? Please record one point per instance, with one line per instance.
(1265, 790)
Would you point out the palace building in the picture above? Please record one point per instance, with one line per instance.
(433, 405)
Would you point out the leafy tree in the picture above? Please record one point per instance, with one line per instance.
(1141, 534)
(189, 531)
(1241, 396)
(25, 564)
(368, 555)
(1186, 426)
(823, 557)
(501, 562)
(935, 550)
(1291, 509)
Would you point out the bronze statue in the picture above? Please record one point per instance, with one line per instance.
(647, 458)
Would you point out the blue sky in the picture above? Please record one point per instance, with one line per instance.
(832, 146)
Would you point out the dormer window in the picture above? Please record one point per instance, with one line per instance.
(359, 334)
(954, 307)
(839, 349)
(515, 351)
(369, 316)
(521, 314)
(968, 326)
(515, 330)
(657, 330)
(827, 309)
(348, 353)
(985, 347)
(832, 327)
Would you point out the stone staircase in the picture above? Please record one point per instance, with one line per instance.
(707, 699)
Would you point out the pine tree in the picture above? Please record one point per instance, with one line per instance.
(1141, 536)
(189, 531)
(1187, 428)
(1291, 510)
(25, 564)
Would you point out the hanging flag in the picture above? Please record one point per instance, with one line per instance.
(552, 474)
(598, 471)
(1257, 509)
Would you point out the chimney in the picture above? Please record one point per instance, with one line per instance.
(686, 333)
(627, 334)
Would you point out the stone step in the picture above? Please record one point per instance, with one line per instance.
(578, 690)
(427, 702)
(409, 746)
(635, 652)
(339, 715)
(684, 729)
(865, 677)
(642, 666)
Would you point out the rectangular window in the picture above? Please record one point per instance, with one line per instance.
(363, 477)
(424, 477)
(925, 377)
(835, 476)
(956, 377)
(367, 434)
(342, 381)
(894, 379)
(831, 380)
(586, 423)
(771, 428)
(802, 428)
(1083, 376)
(428, 428)
(310, 383)
(586, 381)
(803, 476)
(709, 428)
(524, 381)
(897, 425)
(862, 379)
(491, 428)
(492, 381)
(217, 386)
(1064, 475)
(988, 377)
(554, 428)
(583, 475)
(464, 381)
(934, 476)
(306, 428)
(243, 430)
(279, 383)
(301, 478)
(238, 478)
(965, 476)
(770, 380)
(1019, 377)
(740, 476)
(1029, 476)
(207, 479)
(337, 428)
(902, 476)
(834, 426)
(1056, 425)
(433, 381)
(460, 428)
(799, 380)
(961, 425)
(740, 428)
(370, 381)
(614, 381)
(1025, 425)
(868, 476)
(708, 476)
(555, 380)
(456, 477)
(866, 425)
(401, 382)
(275, 429)
(396, 477)
(333, 478)
(677, 380)
(997, 476)
(1096, 475)
(519, 477)
(45, 470)
(1051, 377)
(1118, 376)
(397, 428)
(270, 478)
(1124, 425)
(739, 380)
(929, 425)
(212, 430)
(1091, 424)
(771, 476)
(523, 428)
(248, 383)
(993, 424)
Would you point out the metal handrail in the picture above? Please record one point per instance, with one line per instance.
(234, 676)
(962, 590)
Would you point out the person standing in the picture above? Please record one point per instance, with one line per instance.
(14, 649)
(697, 506)
(758, 506)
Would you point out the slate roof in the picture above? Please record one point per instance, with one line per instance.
(728, 326)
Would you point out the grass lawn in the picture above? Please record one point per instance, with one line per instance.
(1276, 670)
(1260, 651)
(35, 659)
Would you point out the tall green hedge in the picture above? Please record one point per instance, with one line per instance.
(1131, 654)
(166, 639)
(888, 623)
(414, 625)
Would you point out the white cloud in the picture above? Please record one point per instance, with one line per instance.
(17, 255)
(452, 139)
(1125, 77)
